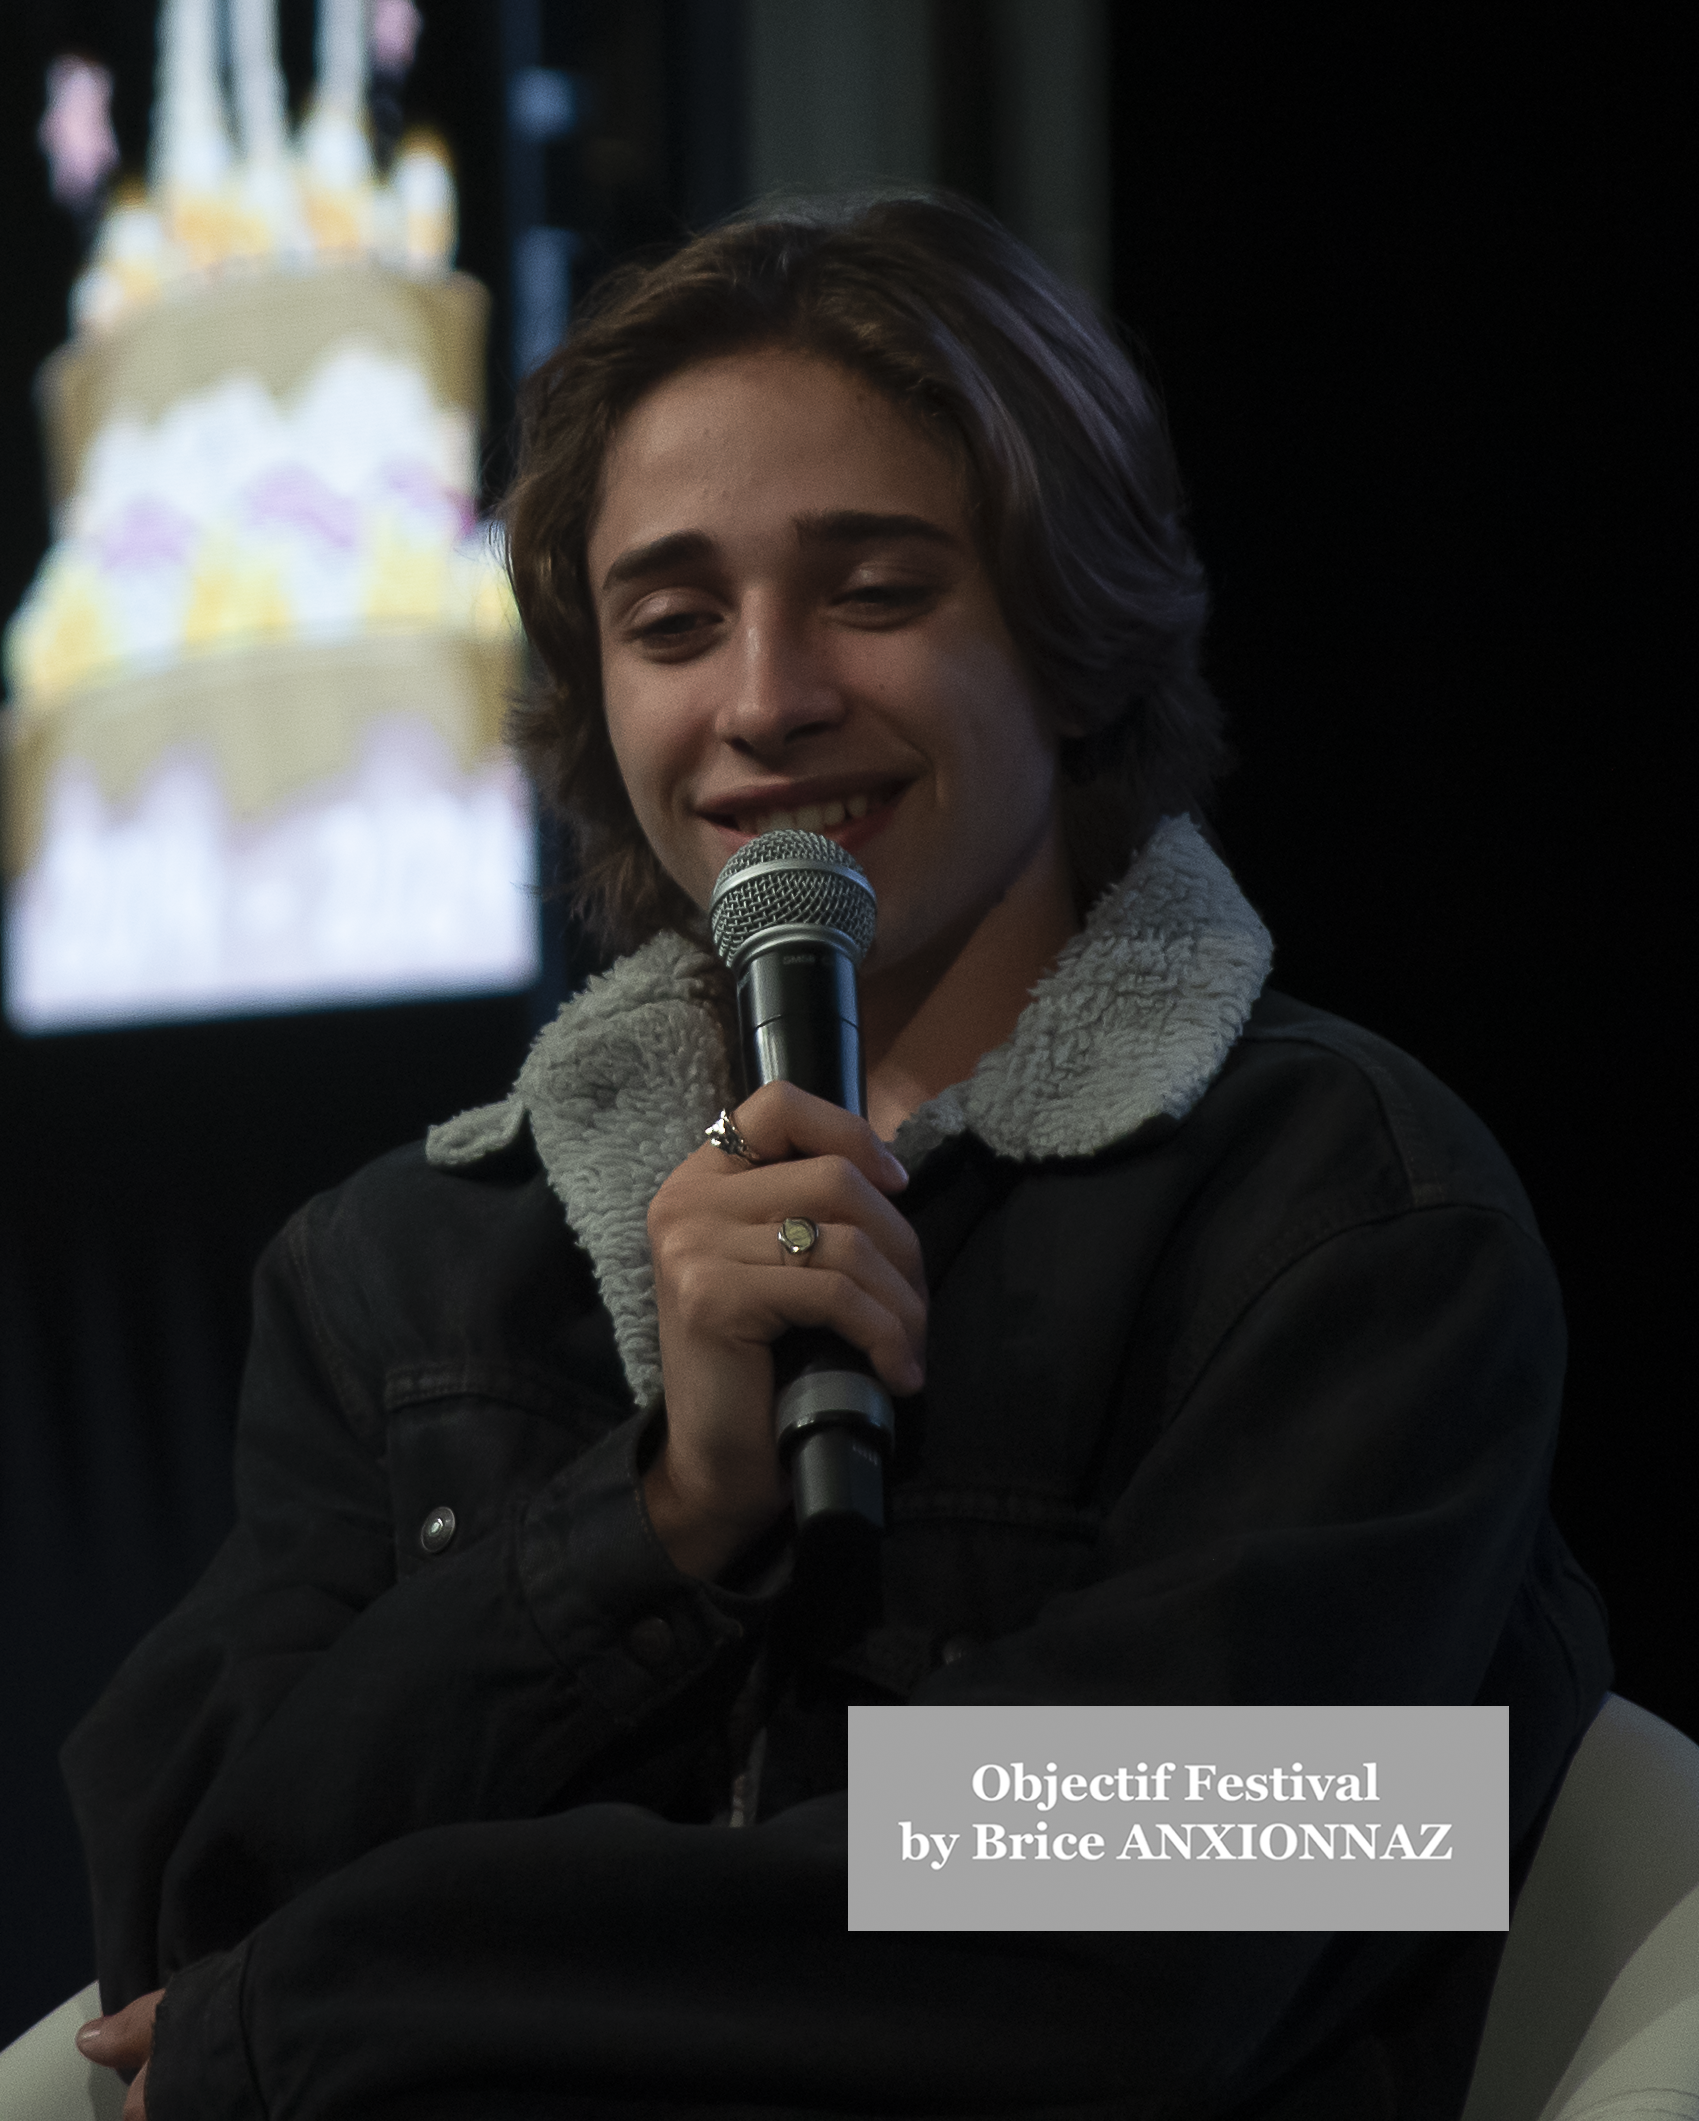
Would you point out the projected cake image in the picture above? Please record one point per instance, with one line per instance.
(255, 690)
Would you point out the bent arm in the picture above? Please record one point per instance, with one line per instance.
(538, 1968)
(303, 1705)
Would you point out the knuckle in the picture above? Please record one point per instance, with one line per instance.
(770, 1100)
(692, 1292)
(840, 1176)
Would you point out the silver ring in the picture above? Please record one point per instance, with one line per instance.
(724, 1135)
(798, 1235)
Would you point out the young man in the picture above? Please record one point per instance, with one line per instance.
(1226, 1355)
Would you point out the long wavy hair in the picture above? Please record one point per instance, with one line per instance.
(1073, 491)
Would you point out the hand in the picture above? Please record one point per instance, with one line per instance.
(726, 1291)
(123, 2040)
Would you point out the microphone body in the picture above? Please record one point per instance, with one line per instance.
(793, 916)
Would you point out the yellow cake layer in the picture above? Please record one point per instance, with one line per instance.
(276, 718)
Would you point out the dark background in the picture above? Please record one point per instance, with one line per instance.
(1409, 287)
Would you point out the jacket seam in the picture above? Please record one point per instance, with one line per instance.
(1264, 1287)
(338, 1370)
(1425, 1181)
(503, 1383)
(242, 1973)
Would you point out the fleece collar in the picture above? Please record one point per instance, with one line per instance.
(1131, 1025)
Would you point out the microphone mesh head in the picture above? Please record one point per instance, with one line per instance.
(799, 879)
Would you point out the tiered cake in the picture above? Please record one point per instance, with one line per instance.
(256, 687)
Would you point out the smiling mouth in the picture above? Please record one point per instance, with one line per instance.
(811, 817)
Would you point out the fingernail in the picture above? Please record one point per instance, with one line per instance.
(88, 2034)
(895, 1166)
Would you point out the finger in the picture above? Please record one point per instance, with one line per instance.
(842, 1248)
(703, 1268)
(135, 2099)
(747, 1291)
(695, 1227)
(893, 1342)
(832, 1190)
(121, 2039)
(780, 1121)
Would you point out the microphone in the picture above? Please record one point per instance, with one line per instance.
(793, 917)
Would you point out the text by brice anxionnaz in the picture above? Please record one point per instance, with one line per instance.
(1227, 1840)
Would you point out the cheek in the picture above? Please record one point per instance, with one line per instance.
(1006, 743)
(638, 736)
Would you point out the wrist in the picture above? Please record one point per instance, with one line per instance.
(702, 1528)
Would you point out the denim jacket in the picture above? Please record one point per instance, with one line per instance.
(1244, 1370)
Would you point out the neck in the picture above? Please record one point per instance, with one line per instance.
(927, 1021)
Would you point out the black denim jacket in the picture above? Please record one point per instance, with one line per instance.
(1255, 1403)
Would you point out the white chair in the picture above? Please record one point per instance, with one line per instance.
(1594, 2016)
(1595, 2012)
(43, 2077)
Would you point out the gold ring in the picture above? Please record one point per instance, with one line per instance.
(798, 1235)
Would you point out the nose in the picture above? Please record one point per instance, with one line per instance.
(780, 691)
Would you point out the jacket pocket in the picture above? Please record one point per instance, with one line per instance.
(465, 1441)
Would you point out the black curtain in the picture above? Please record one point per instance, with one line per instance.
(1412, 280)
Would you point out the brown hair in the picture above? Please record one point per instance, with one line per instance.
(1071, 481)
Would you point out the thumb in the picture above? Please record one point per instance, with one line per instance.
(121, 2039)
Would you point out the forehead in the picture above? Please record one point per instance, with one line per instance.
(762, 435)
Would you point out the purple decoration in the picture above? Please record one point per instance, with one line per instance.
(299, 498)
(415, 483)
(395, 27)
(149, 533)
(76, 135)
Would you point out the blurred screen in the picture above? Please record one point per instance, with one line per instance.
(255, 690)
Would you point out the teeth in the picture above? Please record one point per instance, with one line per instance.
(812, 817)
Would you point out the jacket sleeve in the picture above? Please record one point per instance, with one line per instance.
(303, 1706)
(1344, 1506)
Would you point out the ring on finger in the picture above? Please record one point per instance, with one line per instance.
(725, 1136)
(798, 1236)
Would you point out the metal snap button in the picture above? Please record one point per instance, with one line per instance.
(437, 1530)
(651, 1642)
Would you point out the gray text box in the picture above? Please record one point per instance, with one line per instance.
(1166, 1818)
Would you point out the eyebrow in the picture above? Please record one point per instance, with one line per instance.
(673, 551)
(854, 526)
(841, 526)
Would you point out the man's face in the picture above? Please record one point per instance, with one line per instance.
(797, 629)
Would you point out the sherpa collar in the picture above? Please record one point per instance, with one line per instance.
(1132, 1024)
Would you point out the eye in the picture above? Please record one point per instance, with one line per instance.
(668, 630)
(887, 598)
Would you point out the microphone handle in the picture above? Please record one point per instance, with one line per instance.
(798, 1022)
